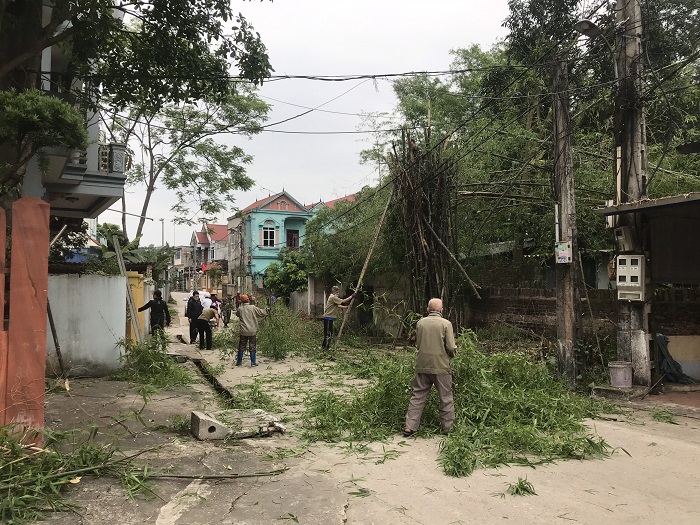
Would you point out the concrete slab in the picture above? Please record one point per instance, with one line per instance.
(206, 427)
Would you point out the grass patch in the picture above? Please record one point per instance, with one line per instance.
(522, 487)
(149, 364)
(664, 416)
(509, 410)
(33, 480)
(226, 340)
(250, 396)
(179, 424)
(280, 334)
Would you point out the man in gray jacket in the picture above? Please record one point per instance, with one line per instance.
(436, 345)
(250, 316)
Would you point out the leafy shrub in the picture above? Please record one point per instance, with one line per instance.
(282, 332)
(509, 409)
(149, 364)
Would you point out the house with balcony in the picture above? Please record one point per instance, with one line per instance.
(70, 184)
(76, 183)
(258, 233)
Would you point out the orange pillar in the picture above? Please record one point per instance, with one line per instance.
(3, 331)
(29, 279)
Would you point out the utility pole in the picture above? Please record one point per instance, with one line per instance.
(567, 269)
(633, 343)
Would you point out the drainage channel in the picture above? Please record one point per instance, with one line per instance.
(220, 389)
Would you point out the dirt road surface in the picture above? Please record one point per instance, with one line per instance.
(651, 478)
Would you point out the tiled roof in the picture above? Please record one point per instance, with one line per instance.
(260, 202)
(202, 237)
(348, 198)
(217, 232)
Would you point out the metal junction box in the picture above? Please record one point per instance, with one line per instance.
(630, 277)
(562, 250)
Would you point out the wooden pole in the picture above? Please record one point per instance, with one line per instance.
(52, 324)
(364, 268)
(566, 271)
(129, 296)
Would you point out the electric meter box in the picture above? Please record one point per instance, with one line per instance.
(630, 277)
(562, 251)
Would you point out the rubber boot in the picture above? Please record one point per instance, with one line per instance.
(253, 362)
(239, 358)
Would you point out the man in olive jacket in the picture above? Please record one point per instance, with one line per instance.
(436, 345)
(249, 316)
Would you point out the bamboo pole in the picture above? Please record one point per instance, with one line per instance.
(471, 283)
(52, 324)
(364, 268)
(133, 312)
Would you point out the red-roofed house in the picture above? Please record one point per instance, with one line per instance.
(330, 204)
(260, 231)
(208, 245)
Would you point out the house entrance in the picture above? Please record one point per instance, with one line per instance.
(293, 239)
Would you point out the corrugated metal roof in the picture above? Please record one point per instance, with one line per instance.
(650, 204)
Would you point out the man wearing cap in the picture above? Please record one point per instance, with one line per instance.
(250, 316)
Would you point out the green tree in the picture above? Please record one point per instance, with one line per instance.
(178, 149)
(289, 275)
(29, 121)
(181, 50)
(106, 232)
(337, 240)
(215, 272)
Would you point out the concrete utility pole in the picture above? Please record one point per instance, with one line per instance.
(633, 343)
(567, 270)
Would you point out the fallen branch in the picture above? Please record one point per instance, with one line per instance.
(218, 476)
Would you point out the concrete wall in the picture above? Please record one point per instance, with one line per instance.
(90, 316)
(686, 350)
(299, 302)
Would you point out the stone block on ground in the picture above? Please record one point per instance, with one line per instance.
(205, 427)
(251, 423)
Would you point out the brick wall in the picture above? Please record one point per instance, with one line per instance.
(535, 309)
(674, 312)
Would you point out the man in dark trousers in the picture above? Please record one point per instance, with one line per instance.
(436, 345)
(160, 316)
(192, 312)
(204, 328)
(333, 306)
(227, 309)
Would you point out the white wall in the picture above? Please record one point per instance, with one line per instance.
(89, 312)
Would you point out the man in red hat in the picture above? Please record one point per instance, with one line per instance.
(249, 316)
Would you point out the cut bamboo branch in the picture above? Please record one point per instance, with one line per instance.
(472, 284)
(364, 267)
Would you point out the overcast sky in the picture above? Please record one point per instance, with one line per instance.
(325, 37)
